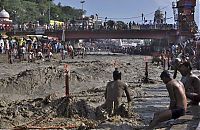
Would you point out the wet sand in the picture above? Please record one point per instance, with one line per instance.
(35, 90)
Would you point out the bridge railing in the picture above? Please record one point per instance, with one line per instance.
(157, 27)
(80, 28)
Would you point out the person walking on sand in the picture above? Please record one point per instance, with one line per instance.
(178, 101)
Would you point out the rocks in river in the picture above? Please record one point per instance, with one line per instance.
(3, 103)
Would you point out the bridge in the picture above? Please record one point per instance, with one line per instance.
(121, 34)
(170, 34)
(159, 30)
(185, 29)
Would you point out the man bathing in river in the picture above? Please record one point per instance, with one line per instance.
(113, 94)
(191, 83)
(178, 101)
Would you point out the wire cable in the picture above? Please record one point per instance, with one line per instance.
(135, 17)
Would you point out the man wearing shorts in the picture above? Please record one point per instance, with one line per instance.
(191, 83)
(178, 100)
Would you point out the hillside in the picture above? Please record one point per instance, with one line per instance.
(24, 11)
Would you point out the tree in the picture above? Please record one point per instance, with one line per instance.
(23, 11)
(121, 25)
(110, 24)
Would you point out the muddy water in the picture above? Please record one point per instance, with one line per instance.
(88, 77)
(156, 99)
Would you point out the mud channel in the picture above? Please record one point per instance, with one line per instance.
(32, 95)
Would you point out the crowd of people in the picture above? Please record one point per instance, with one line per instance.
(33, 48)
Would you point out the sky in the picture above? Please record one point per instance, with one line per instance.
(124, 10)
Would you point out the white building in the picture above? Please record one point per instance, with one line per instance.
(5, 22)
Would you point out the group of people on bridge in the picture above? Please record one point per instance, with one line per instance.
(73, 25)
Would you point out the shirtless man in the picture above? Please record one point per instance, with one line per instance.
(176, 63)
(178, 101)
(114, 92)
(191, 83)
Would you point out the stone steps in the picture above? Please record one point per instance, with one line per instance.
(146, 108)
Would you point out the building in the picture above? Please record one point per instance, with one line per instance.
(159, 17)
(186, 11)
(5, 22)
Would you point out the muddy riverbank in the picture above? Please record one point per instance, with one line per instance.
(32, 94)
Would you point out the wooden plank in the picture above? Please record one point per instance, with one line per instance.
(186, 117)
(182, 126)
(179, 127)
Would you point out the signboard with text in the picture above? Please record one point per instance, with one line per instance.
(40, 30)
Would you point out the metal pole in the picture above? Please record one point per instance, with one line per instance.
(67, 84)
(49, 11)
(82, 5)
(82, 16)
(142, 18)
(82, 12)
(146, 80)
(67, 74)
(146, 70)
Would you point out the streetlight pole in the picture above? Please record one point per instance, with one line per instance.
(14, 16)
(82, 2)
(49, 11)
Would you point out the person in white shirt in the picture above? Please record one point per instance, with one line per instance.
(1, 46)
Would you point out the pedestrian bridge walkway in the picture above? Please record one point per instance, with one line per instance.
(103, 34)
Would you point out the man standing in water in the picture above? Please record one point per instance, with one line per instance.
(191, 83)
(178, 101)
(114, 92)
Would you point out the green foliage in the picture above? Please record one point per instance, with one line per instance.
(24, 11)
(121, 25)
(110, 23)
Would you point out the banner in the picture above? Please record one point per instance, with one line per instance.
(57, 23)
